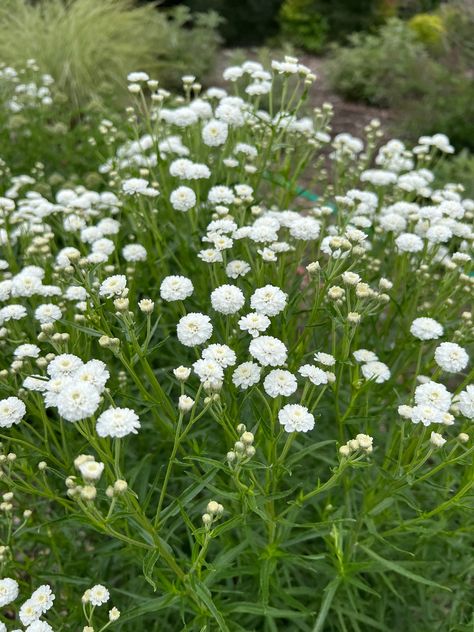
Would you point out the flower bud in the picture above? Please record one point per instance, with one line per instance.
(114, 614)
(185, 403)
(182, 373)
(88, 492)
(146, 305)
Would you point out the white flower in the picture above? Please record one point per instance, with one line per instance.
(211, 255)
(12, 411)
(314, 374)
(450, 357)
(27, 351)
(269, 351)
(194, 329)
(38, 626)
(98, 595)
(12, 312)
(176, 288)
(220, 195)
(48, 313)
(182, 373)
(325, 359)
(137, 76)
(117, 423)
(91, 470)
(232, 73)
(209, 372)
(437, 440)
(187, 170)
(222, 354)
(363, 355)
(268, 300)
(237, 268)
(433, 394)
(29, 612)
(134, 186)
(393, 222)
(93, 372)
(246, 374)
(43, 598)
(296, 418)
(408, 242)
(134, 252)
(438, 234)
(215, 133)
(426, 329)
(103, 246)
(77, 401)
(185, 403)
(8, 591)
(378, 371)
(63, 365)
(227, 299)
(280, 382)
(35, 383)
(365, 442)
(114, 614)
(465, 402)
(305, 229)
(426, 415)
(378, 177)
(254, 323)
(405, 411)
(113, 286)
(183, 199)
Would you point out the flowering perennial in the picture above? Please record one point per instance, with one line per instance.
(192, 328)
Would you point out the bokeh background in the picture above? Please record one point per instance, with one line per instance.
(409, 63)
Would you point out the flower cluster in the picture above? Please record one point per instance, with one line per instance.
(260, 335)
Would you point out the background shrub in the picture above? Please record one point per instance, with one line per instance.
(302, 25)
(311, 24)
(373, 66)
(89, 46)
(459, 168)
(429, 29)
(430, 87)
(244, 23)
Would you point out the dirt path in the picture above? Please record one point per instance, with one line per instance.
(348, 116)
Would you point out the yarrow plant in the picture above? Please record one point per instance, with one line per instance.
(226, 408)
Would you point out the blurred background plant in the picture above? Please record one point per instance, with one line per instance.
(414, 58)
(39, 131)
(422, 69)
(89, 47)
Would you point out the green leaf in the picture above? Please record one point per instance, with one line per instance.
(149, 562)
(205, 596)
(329, 594)
(396, 567)
(150, 605)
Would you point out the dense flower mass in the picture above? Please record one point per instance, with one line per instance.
(191, 323)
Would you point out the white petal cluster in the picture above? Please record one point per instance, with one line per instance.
(117, 423)
(280, 382)
(451, 357)
(268, 300)
(176, 288)
(227, 299)
(296, 418)
(194, 329)
(12, 411)
(269, 351)
(426, 329)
